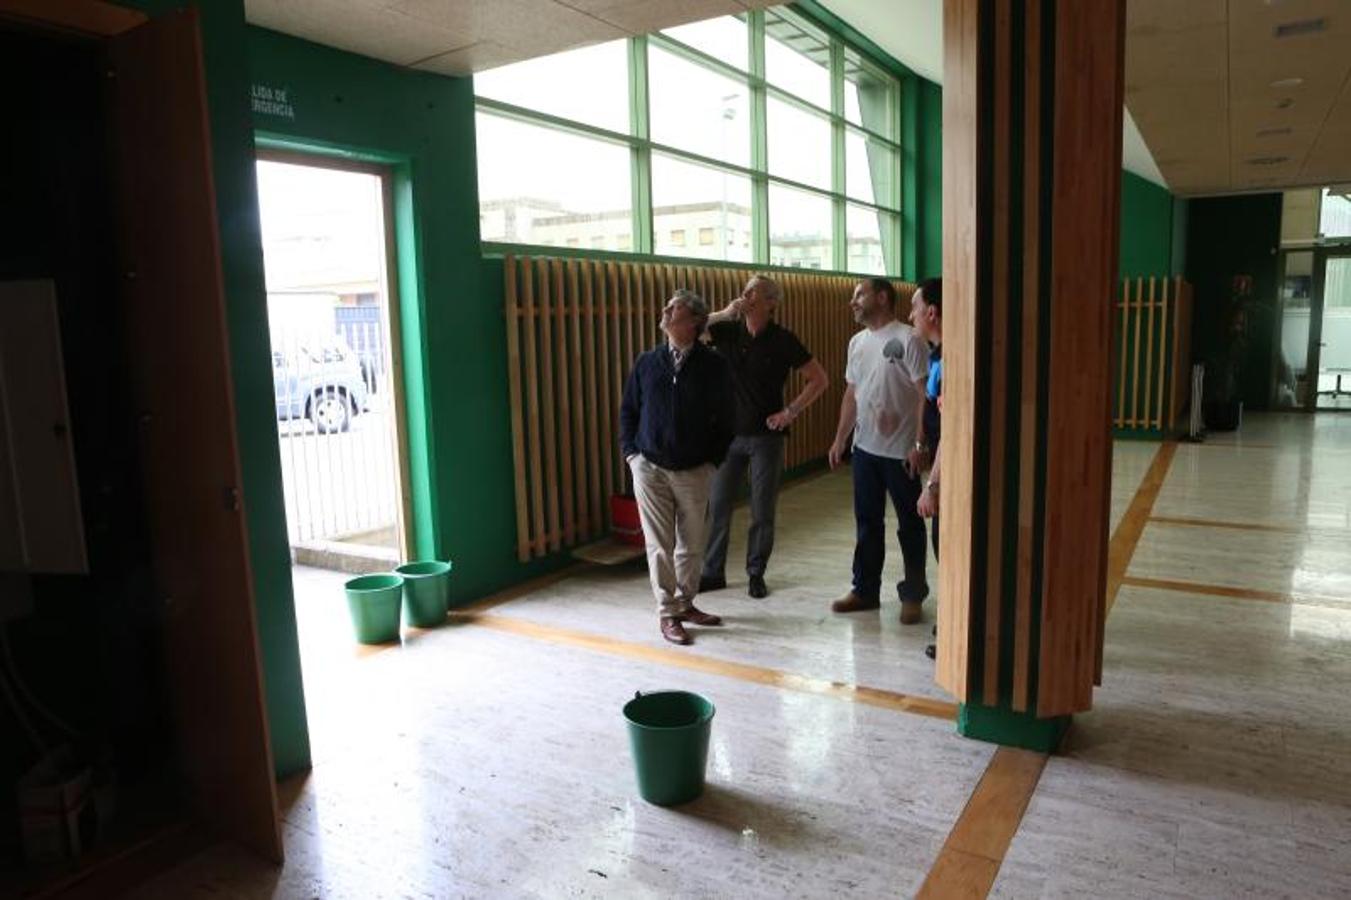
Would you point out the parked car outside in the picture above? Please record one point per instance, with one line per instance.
(319, 379)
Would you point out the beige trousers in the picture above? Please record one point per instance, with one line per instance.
(673, 506)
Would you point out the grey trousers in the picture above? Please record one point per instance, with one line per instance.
(673, 506)
(764, 455)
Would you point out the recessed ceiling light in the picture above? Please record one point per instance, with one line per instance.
(1273, 132)
(1301, 26)
(1287, 82)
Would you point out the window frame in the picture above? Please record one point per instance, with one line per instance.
(641, 147)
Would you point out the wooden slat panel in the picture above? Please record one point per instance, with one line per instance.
(1149, 355)
(547, 407)
(533, 416)
(1164, 302)
(1122, 374)
(581, 521)
(517, 418)
(615, 477)
(568, 502)
(591, 325)
(1090, 40)
(1031, 350)
(961, 110)
(1137, 312)
(998, 360)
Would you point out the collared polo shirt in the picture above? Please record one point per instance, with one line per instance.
(760, 367)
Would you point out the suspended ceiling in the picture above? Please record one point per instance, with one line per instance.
(1241, 95)
(457, 37)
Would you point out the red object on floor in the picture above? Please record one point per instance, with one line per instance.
(625, 525)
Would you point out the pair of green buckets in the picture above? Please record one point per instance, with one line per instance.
(668, 733)
(420, 590)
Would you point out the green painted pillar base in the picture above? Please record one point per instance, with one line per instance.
(1001, 725)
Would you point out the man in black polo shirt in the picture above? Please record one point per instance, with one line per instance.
(761, 353)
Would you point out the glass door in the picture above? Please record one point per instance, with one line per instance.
(1293, 379)
(1330, 332)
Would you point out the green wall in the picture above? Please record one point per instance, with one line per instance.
(1147, 214)
(224, 34)
(929, 239)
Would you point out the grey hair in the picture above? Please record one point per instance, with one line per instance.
(694, 303)
(772, 288)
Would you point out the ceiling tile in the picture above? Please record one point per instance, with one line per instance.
(644, 16)
(1150, 17)
(467, 60)
(359, 27)
(1178, 57)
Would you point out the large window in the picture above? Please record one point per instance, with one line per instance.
(761, 137)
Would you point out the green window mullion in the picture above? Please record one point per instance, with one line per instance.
(640, 157)
(909, 180)
(838, 223)
(759, 139)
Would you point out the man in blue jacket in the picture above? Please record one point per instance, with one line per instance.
(675, 425)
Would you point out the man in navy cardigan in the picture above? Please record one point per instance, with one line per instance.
(675, 425)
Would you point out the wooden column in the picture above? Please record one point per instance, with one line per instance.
(1032, 107)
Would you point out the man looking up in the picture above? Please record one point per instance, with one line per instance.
(883, 409)
(675, 423)
(761, 353)
(926, 315)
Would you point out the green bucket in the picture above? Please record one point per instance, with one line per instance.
(373, 601)
(668, 731)
(426, 592)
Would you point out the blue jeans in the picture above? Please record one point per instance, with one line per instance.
(874, 478)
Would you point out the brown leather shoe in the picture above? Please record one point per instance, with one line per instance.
(912, 612)
(852, 602)
(673, 631)
(699, 617)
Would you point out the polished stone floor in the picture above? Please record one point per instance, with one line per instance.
(491, 760)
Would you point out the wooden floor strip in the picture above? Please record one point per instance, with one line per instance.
(1189, 522)
(685, 659)
(971, 856)
(1127, 534)
(1238, 593)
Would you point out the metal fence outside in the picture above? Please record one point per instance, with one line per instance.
(335, 430)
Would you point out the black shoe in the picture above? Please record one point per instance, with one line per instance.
(931, 651)
(757, 587)
(711, 583)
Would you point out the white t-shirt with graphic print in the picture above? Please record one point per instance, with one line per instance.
(888, 368)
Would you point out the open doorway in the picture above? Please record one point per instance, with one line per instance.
(327, 249)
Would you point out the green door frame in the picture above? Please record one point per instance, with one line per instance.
(421, 522)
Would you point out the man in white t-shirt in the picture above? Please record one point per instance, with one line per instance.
(883, 409)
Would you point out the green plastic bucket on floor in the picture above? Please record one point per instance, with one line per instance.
(374, 601)
(426, 592)
(668, 731)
